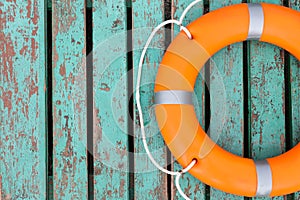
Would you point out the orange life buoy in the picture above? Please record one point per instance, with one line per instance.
(175, 113)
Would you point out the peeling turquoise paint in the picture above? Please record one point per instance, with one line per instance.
(111, 165)
(69, 100)
(22, 100)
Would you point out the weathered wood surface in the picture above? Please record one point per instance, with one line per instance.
(69, 100)
(227, 67)
(148, 181)
(110, 100)
(23, 143)
(295, 95)
(190, 185)
(22, 100)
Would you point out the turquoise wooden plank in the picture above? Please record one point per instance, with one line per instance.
(192, 186)
(266, 99)
(149, 182)
(267, 103)
(295, 85)
(229, 63)
(22, 100)
(69, 100)
(295, 94)
(110, 100)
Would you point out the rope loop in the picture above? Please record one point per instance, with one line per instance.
(181, 172)
(178, 174)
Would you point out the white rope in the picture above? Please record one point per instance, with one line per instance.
(177, 184)
(138, 102)
(139, 107)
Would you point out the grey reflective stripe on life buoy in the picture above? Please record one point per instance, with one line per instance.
(264, 178)
(173, 97)
(256, 25)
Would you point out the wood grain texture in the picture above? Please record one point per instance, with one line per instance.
(110, 100)
(229, 64)
(69, 100)
(149, 182)
(267, 95)
(295, 93)
(190, 185)
(22, 100)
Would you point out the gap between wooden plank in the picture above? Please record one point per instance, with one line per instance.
(168, 39)
(207, 100)
(49, 104)
(130, 96)
(294, 68)
(90, 97)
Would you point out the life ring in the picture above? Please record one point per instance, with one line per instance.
(174, 108)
